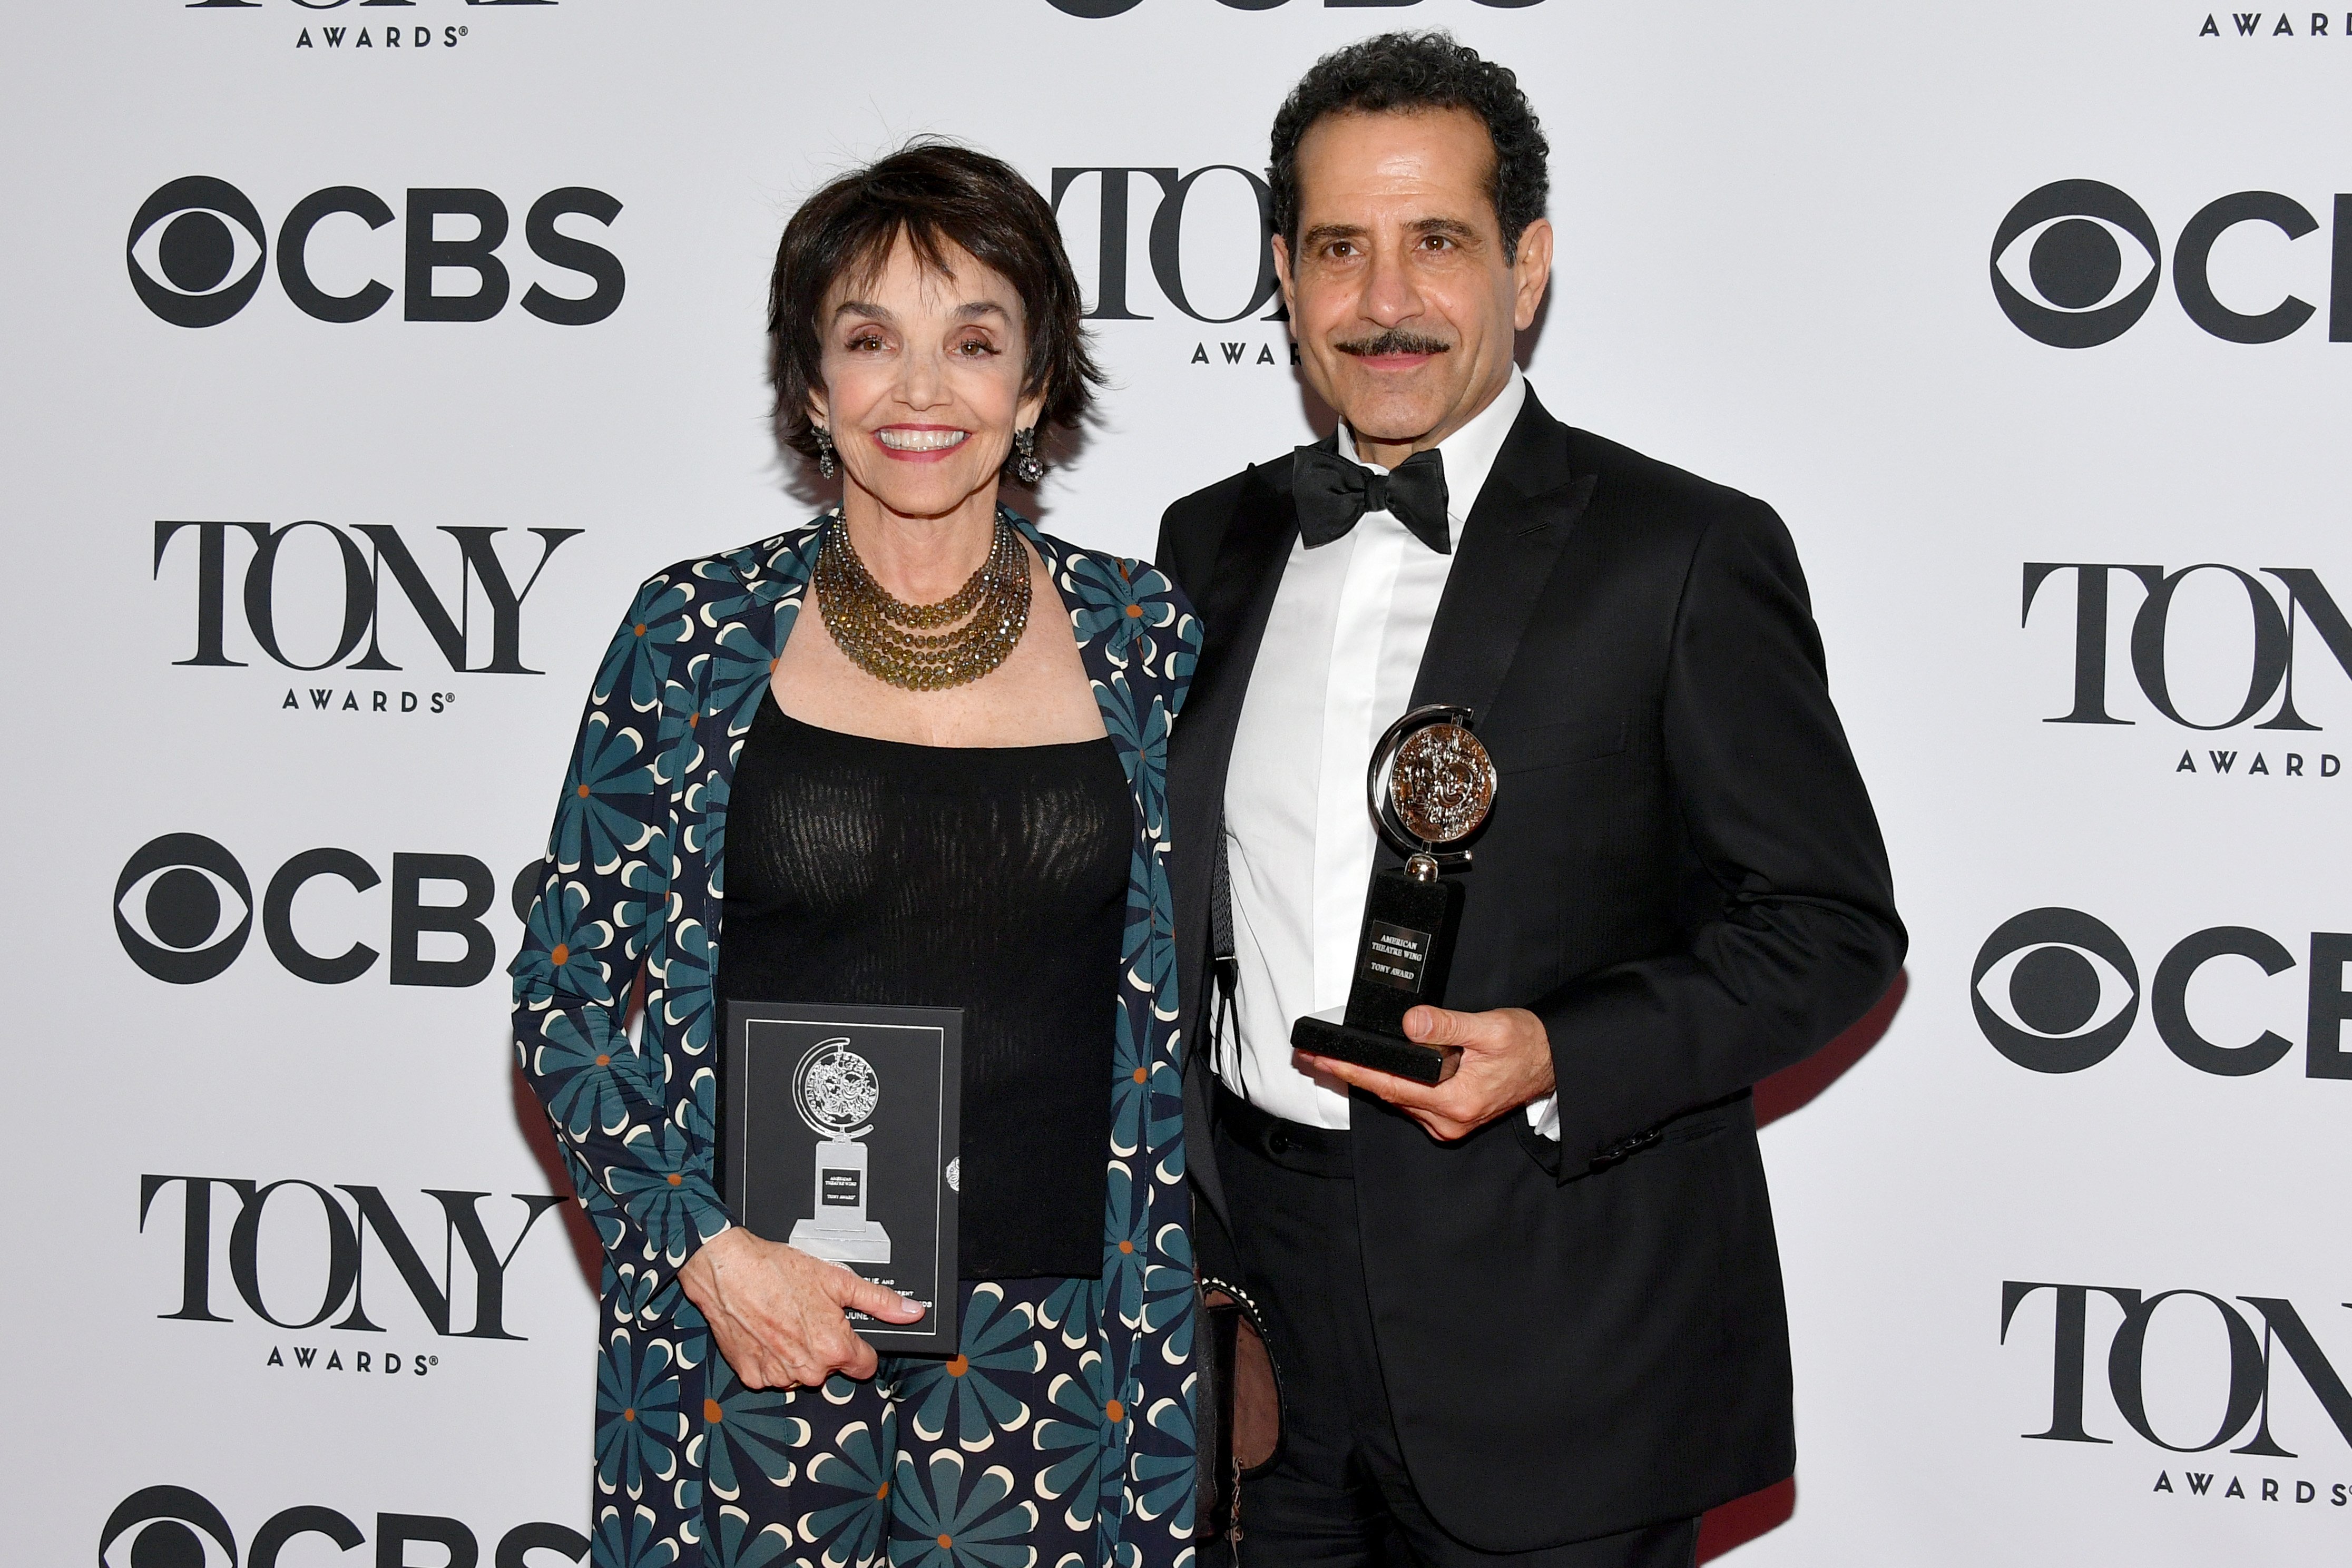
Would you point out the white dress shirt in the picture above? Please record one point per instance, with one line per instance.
(1342, 648)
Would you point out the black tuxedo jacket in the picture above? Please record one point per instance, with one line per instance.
(1682, 877)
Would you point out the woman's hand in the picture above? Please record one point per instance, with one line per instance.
(777, 1313)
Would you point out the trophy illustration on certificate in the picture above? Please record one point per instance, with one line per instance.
(836, 1091)
(1432, 784)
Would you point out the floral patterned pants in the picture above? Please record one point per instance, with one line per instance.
(994, 1459)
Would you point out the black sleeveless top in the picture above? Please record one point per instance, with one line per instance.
(989, 878)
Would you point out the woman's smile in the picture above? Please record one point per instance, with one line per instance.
(919, 443)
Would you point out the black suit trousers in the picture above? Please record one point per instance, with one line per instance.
(1338, 1494)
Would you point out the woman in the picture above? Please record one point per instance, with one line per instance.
(939, 735)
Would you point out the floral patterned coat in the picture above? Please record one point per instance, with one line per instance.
(632, 894)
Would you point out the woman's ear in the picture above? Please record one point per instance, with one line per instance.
(1032, 409)
(818, 411)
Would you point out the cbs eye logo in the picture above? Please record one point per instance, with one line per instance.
(2054, 990)
(197, 250)
(166, 1527)
(2076, 264)
(171, 903)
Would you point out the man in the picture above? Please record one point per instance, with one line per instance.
(1533, 1315)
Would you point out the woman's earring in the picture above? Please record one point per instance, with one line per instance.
(826, 464)
(1025, 465)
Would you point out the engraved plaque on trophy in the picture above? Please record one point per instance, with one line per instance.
(1431, 786)
(840, 1133)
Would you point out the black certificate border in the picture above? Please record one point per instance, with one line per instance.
(942, 1337)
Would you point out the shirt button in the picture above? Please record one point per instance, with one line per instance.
(1277, 1141)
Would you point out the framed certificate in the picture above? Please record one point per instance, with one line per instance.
(840, 1131)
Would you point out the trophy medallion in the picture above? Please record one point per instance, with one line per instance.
(1431, 786)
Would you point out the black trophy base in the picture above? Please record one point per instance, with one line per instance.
(1401, 963)
(1381, 1052)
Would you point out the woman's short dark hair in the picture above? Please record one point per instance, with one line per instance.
(941, 197)
(1405, 72)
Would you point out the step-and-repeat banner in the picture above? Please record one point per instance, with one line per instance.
(364, 354)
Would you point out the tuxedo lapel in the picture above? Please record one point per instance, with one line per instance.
(1513, 536)
(1232, 612)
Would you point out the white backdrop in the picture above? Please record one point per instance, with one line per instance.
(1778, 227)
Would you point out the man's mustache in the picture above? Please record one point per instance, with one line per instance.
(1395, 340)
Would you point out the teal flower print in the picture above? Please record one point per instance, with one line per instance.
(1117, 604)
(560, 945)
(962, 1389)
(668, 1193)
(1179, 660)
(1083, 1439)
(647, 1297)
(1166, 1124)
(737, 1546)
(656, 621)
(748, 1433)
(1147, 1097)
(1148, 943)
(942, 1524)
(1141, 733)
(630, 1539)
(1073, 1312)
(637, 1420)
(590, 1075)
(1166, 1476)
(631, 1291)
(645, 896)
(693, 1342)
(680, 743)
(859, 1461)
(607, 788)
(698, 1114)
(768, 572)
(687, 963)
(705, 831)
(1130, 1086)
(1127, 1246)
(595, 1201)
(1168, 1294)
(740, 668)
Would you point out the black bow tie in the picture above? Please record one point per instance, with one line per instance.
(1332, 493)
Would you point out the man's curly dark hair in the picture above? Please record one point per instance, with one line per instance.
(1405, 72)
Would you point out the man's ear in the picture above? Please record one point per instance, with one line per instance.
(1281, 275)
(1531, 272)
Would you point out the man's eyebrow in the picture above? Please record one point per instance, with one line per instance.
(1322, 232)
(1455, 229)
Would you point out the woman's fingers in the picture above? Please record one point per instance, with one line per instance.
(778, 1313)
(862, 1363)
(858, 1293)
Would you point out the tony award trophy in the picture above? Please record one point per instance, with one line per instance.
(837, 1090)
(1432, 783)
